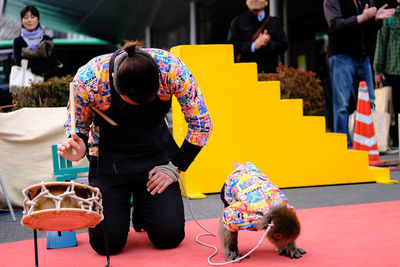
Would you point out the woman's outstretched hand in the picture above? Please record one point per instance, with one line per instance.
(67, 147)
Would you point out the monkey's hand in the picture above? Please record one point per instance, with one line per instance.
(292, 251)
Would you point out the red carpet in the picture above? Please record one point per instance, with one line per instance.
(354, 235)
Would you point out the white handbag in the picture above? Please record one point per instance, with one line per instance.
(22, 77)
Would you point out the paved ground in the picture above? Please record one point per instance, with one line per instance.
(211, 206)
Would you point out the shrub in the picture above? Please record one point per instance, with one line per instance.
(297, 83)
(52, 93)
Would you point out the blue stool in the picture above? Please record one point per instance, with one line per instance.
(64, 239)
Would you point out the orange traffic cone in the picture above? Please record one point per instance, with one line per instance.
(364, 132)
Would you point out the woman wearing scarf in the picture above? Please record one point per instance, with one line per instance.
(34, 45)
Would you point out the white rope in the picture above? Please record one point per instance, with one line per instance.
(209, 233)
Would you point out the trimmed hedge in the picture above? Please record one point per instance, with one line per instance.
(297, 83)
(51, 93)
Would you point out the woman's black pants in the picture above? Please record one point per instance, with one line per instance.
(160, 215)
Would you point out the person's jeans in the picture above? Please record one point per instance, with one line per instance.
(346, 72)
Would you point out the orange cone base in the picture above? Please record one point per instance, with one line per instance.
(375, 159)
(376, 162)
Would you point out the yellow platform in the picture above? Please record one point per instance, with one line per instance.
(252, 123)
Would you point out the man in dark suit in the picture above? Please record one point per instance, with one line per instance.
(262, 48)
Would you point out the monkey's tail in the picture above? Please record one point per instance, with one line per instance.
(209, 233)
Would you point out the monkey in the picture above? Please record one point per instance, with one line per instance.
(252, 202)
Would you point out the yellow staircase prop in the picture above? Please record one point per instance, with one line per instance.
(252, 123)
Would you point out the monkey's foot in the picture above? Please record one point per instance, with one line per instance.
(232, 255)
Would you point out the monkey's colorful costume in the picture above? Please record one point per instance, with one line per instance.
(248, 194)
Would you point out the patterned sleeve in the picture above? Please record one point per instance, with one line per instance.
(83, 95)
(183, 85)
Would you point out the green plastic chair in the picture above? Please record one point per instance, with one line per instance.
(63, 169)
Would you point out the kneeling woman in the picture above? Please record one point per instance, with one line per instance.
(138, 157)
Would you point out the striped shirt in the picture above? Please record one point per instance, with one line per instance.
(91, 84)
(387, 53)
